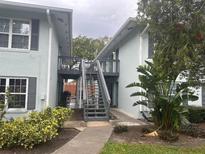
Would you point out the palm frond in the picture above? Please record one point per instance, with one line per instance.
(144, 70)
(135, 84)
(142, 102)
(144, 94)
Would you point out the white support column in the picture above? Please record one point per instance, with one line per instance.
(140, 55)
(50, 35)
(80, 97)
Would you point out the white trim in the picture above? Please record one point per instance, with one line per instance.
(140, 55)
(49, 57)
(110, 46)
(140, 63)
(36, 6)
(26, 94)
(10, 33)
(145, 30)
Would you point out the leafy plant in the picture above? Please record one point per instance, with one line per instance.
(196, 114)
(177, 29)
(165, 97)
(4, 104)
(37, 128)
(120, 129)
(88, 48)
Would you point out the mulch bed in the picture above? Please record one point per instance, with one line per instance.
(64, 136)
(135, 135)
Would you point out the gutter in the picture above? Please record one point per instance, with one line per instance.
(145, 30)
(141, 41)
(49, 56)
(71, 34)
(140, 56)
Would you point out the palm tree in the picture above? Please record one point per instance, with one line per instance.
(164, 96)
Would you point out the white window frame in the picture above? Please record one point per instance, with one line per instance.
(26, 95)
(7, 33)
(10, 33)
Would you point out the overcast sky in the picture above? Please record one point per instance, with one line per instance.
(94, 18)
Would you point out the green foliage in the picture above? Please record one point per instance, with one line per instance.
(192, 130)
(37, 128)
(120, 129)
(124, 148)
(88, 48)
(177, 28)
(166, 97)
(3, 104)
(196, 114)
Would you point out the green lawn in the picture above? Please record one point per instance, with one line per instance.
(116, 148)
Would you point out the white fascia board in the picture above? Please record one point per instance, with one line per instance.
(112, 42)
(30, 5)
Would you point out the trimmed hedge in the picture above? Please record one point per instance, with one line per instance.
(196, 114)
(37, 128)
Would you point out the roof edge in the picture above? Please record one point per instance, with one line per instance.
(31, 5)
(130, 19)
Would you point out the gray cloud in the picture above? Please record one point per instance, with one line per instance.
(94, 18)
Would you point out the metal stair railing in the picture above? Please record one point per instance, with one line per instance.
(84, 86)
(93, 100)
(103, 86)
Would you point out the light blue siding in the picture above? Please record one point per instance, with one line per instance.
(27, 63)
(129, 55)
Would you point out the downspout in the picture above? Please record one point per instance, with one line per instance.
(49, 56)
(141, 43)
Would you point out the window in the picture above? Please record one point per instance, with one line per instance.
(20, 34)
(4, 32)
(2, 90)
(15, 33)
(18, 92)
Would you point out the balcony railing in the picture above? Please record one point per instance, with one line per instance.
(66, 63)
(69, 63)
(109, 65)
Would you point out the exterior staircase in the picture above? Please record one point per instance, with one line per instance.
(95, 94)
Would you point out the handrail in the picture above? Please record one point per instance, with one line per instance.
(104, 86)
(84, 79)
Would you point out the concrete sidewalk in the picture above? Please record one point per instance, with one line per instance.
(89, 141)
(123, 119)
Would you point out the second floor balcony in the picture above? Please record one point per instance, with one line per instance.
(72, 65)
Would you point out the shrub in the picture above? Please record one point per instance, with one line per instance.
(37, 128)
(120, 129)
(190, 130)
(196, 114)
(61, 114)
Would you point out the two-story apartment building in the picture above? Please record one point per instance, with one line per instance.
(132, 46)
(31, 39)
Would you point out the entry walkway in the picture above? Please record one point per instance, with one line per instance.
(90, 141)
(123, 119)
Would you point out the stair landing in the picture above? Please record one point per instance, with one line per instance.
(97, 124)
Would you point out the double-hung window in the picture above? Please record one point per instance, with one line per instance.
(19, 33)
(4, 32)
(17, 92)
